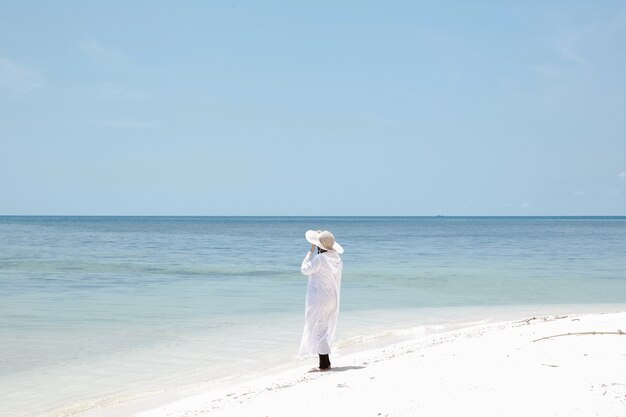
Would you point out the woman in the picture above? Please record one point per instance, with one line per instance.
(322, 295)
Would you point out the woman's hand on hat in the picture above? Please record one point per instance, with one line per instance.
(313, 248)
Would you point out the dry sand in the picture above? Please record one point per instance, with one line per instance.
(489, 370)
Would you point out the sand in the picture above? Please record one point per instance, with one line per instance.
(488, 370)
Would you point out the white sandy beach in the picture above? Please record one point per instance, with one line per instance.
(488, 370)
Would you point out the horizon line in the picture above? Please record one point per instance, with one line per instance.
(313, 216)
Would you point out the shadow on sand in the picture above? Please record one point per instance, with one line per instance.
(345, 368)
(337, 369)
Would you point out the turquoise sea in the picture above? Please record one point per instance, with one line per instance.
(96, 311)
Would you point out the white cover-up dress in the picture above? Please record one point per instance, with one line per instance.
(322, 301)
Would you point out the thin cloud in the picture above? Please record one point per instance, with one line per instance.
(117, 124)
(16, 78)
(99, 53)
(569, 43)
(128, 124)
(617, 22)
(568, 51)
(577, 45)
(549, 71)
(622, 175)
(110, 91)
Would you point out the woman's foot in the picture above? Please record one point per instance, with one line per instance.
(324, 362)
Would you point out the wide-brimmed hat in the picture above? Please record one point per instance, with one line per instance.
(324, 240)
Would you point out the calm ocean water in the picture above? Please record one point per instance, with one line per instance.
(97, 310)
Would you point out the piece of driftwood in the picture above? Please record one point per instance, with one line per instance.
(545, 318)
(618, 332)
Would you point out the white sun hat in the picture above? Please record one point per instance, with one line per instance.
(324, 240)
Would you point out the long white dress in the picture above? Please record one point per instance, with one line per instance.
(322, 301)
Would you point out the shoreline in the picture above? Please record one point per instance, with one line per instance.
(289, 387)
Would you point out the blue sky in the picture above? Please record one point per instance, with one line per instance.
(313, 108)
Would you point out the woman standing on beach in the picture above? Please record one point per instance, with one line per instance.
(322, 295)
